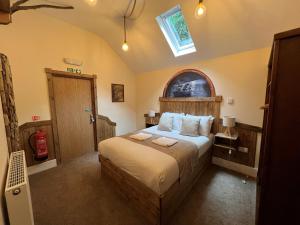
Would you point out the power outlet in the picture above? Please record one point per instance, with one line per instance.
(230, 101)
(243, 149)
(35, 118)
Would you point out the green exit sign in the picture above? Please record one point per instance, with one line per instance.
(74, 70)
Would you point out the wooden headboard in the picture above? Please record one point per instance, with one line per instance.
(194, 106)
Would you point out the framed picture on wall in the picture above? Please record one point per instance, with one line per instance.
(117, 92)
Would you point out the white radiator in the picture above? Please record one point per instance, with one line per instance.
(17, 191)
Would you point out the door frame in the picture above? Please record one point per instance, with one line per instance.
(56, 73)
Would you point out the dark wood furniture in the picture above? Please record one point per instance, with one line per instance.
(151, 121)
(5, 17)
(278, 194)
(247, 138)
(159, 208)
(226, 147)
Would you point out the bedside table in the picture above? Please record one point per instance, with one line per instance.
(226, 147)
(151, 121)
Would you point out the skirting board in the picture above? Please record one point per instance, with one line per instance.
(249, 171)
(42, 167)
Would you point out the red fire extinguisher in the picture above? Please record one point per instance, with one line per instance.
(40, 149)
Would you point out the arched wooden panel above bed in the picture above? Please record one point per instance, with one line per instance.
(208, 104)
(189, 83)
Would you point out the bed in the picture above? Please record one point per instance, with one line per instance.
(152, 180)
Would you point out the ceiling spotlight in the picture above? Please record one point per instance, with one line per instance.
(200, 10)
(91, 2)
(125, 47)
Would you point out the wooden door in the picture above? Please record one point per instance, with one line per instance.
(73, 109)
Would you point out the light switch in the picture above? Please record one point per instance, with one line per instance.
(230, 100)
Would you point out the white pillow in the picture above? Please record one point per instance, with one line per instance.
(205, 124)
(165, 123)
(190, 126)
(177, 119)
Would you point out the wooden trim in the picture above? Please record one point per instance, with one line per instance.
(5, 6)
(192, 99)
(247, 136)
(69, 74)
(265, 153)
(246, 127)
(287, 34)
(55, 73)
(156, 115)
(264, 107)
(249, 127)
(53, 116)
(210, 83)
(35, 124)
(271, 58)
(95, 109)
(5, 18)
(105, 128)
(29, 128)
(196, 106)
(107, 120)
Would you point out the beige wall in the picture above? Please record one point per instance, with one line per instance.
(3, 162)
(240, 76)
(35, 41)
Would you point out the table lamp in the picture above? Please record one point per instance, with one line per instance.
(151, 113)
(228, 123)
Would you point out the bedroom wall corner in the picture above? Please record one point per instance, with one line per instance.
(45, 42)
(242, 76)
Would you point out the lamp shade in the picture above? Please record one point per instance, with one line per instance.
(151, 113)
(229, 121)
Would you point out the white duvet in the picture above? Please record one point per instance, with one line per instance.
(155, 169)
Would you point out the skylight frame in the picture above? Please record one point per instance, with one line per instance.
(171, 37)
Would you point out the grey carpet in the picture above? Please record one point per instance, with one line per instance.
(75, 194)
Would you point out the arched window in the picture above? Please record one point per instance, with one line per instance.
(189, 83)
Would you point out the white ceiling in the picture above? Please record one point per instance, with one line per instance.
(230, 26)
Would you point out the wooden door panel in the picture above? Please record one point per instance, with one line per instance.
(72, 103)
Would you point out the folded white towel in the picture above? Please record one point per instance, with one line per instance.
(141, 136)
(165, 142)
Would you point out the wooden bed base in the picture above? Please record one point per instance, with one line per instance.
(156, 208)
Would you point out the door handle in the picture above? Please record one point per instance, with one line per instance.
(92, 119)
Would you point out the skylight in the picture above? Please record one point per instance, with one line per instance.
(176, 32)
